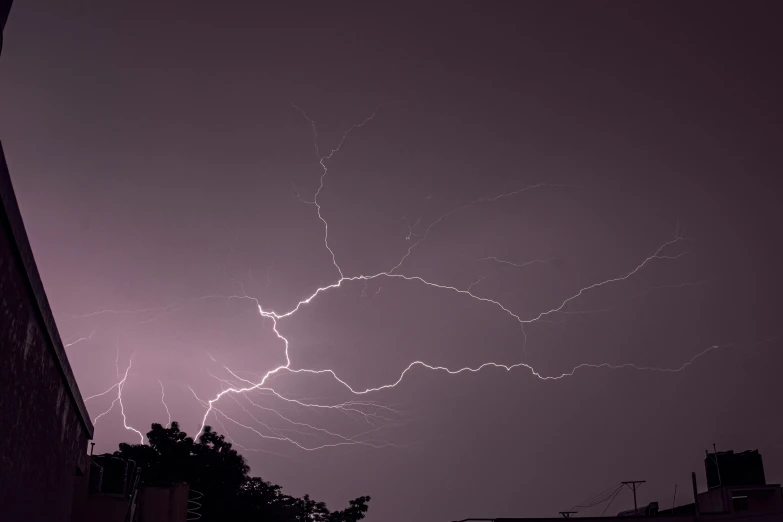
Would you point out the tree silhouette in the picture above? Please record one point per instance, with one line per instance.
(212, 467)
(261, 500)
(358, 508)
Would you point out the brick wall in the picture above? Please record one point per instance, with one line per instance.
(45, 427)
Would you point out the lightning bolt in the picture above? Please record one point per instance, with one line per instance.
(374, 414)
(321, 160)
(645, 293)
(519, 265)
(68, 345)
(364, 291)
(412, 228)
(477, 281)
(275, 317)
(466, 206)
(120, 385)
(163, 401)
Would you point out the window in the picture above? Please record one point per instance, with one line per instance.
(739, 503)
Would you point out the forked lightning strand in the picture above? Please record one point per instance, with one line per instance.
(120, 385)
(163, 400)
(374, 414)
(392, 274)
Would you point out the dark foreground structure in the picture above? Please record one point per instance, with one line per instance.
(46, 473)
(45, 423)
(736, 491)
(111, 492)
(5, 9)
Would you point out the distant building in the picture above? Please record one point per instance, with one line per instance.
(726, 468)
(109, 492)
(112, 492)
(648, 511)
(737, 491)
(172, 503)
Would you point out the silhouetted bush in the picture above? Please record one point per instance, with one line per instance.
(212, 467)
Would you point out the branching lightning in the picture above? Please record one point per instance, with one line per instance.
(518, 265)
(244, 393)
(68, 345)
(163, 401)
(477, 281)
(120, 385)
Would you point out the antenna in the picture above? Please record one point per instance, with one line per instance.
(633, 484)
(674, 500)
(717, 465)
(714, 458)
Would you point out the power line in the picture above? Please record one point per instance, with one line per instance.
(610, 502)
(598, 498)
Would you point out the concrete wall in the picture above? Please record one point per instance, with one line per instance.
(95, 502)
(105, 508)
(761, 499)
(164, 504)
(713, 501)
(45, 424)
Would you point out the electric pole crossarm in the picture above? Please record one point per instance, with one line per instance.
(634, 485)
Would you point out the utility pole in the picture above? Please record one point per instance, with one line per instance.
(696, 514)
(674, 499)
(633, 484)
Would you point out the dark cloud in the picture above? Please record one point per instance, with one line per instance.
(157, 160)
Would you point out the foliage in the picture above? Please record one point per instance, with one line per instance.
(212, 467)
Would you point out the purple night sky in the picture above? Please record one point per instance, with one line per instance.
(161, 167)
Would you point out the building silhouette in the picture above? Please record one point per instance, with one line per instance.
(726, 468)
(736, 491)
(5, 9)
(46, 471)
(45, 423)
(112, 492)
